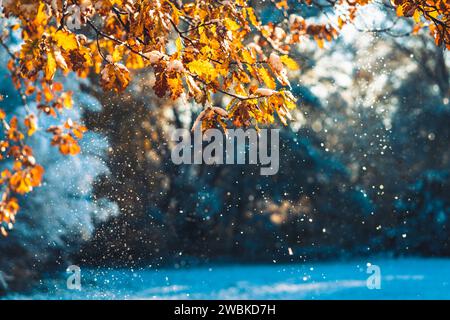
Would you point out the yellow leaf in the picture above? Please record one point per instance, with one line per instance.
(202, 68)
(266, 78)
(176, 87)
(289, 62)
(41, 16)
(252, 17)
(239, 89)
(178, 44)
(135, 61)
(433, 13)
(117, 54)
(320, 43)
(67, 99)
(50, 67)
(66, 40)
(341, 22)
(416, 16)
(247, 57)
(203, 36)
(231, 24)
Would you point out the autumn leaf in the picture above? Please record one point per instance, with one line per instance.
(399, 11)
(231, 24)
(50, 67)
(176, 87)
(31, 124)
(252, 17)
(67, 99)
(41, 16)
(66, 40)
(289, 62)
(202, 68)
(69, 146)
(115, 76)
(416, 16)
(266, 77)
(23, 181)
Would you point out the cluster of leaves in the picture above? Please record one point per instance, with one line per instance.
(24, 175)
(196, 49)
(425, 11)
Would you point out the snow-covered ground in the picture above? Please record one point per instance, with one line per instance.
(400, 279)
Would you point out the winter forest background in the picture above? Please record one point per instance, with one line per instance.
(364, 171)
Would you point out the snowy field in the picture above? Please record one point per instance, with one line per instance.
(400, 279)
